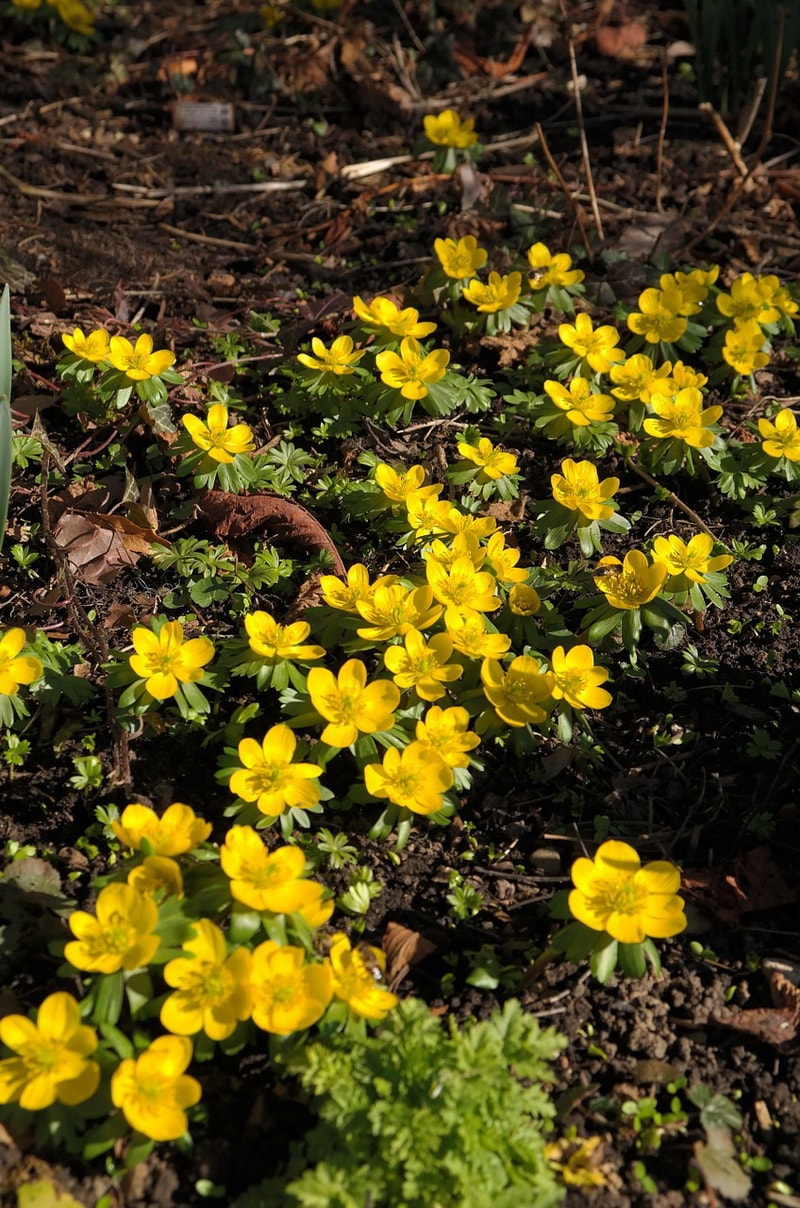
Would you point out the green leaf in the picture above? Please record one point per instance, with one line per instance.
(108, 998)
(631, 960)
(603, 960)
(43, 1193)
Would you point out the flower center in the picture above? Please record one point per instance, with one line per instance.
(621, 894)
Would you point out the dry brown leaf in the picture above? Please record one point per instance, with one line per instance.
(754, 882)
(98, 546)
(624, 41)
(403, 948)
(234, 517)
(777, 1026)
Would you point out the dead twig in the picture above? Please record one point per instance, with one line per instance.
(574, 204)
(662, 130)
(684, 507)
(729, 142)
(587, 165)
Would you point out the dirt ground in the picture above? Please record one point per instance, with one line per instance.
(112, 215)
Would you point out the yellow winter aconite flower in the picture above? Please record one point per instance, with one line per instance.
(212, 989)
(398, 485)
(138, 362)
(279, 643)
(346, 596)
(517, 693)
(502, 561)
(524, 601)
(93, 348)
(426, 514)
(52, 1057)
(423, 666)
(781, 439)
(446, 731)
(385, 319)
(118, 936)
(16, 668)
(614, 893)
(414, 779)
(683, 418)
(157, 877)
(576, 679)
(462, 545)
(412, 371)
(750, 300)
(462, 587)
(636, 582)
(573, 1159)
(681, 376)
(581, 405)
(456, 521)
(339, 359)
(471, 637)
(688, 291)
(596, 347)
(743, 346)
(354, 978)
(269, 777)
(446, 129)
(638, 377)
(76, 15)
(691, 560)
(460, 258)
(500, 293)
(215, 438)
(394, 610)
(579, 489)
(493, 463)
(549, 269)
(659, 317)
(153, 1090)
(349, 704)
(163, 660)
(288, 994)
(271, 881)
(178, 830)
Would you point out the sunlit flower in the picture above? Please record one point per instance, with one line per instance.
(502, 561)
(93, 348)
(212, 991)
(743, 346)
(549, 269)
(524, 601)
(579, 489)
(139, 362)
(385, 319)
(518, 691)
(346, 596)
(51, 1062)
(339, 359)
(414, 779)
(471, 637)
(455, 521)
(164, 661)
(615, 894)
(279, 643)
(574, 1161)
(118, 936)
(354, 977)
(349, 704)
(446, 129)
(461, 586)
(750, 300)
(492, 462)
(269, 777)
(397, 485)
(153, 1090)
(596, 347)
(500, 293)
(412, 371)
(682, 376)
(576, 679)
(462, 545)
(636, 582)
(426, 514)
(178, 830)
(781, 438)
(460, 258)
(16, 668)
(446, 731)
(288, 994)
(683, 418)
(423, 666)
(581, 405)
(690, 560)
(637, 378)
(215, 438)
(659, 316)
(395, 610)
(271, 881)
(157, 877)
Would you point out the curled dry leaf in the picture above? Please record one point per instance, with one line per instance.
(98, 546)
(235, 517)
(403, 948)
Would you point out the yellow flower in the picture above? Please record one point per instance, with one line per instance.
(576, 679)
(659, 317)
(493, 463)
(742, 348)
(502, 561)
(446, 732)
(549, 269)
(462, 545)
(398, 485)
(596, 348)
(471, 637)
(517, 692)
(288, 994)
(573, 1158)
(614, 893)
(414, 779)
(120, 936)
(578, 488)
(279, 643)
(636, 582)
(460, 259)
(523, 600)
(93, 347)
(393, 611)
(52, 1056)
(16, 668)
(76, 15)
(386, 319)
(269, 777)
(446, 129)
(580, 404)
(637, 378)
(271, 881)
(426, 514)
(349, 704)
(339, 358)
(781, 438)
(411, 372)
(750, 300)
(692, 561)
(139, 363)
(215, 438)
(682, 376)
(357, 973)
(212, 991)
(157, 877)
(153, 1091)
(462, 587)
(683, 418)
(178, 830)
(423, 667)
(501, 293)
(163, 660)
(346, 597)
(456, 521)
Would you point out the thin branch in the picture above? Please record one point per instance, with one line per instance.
(684, 507)
(587, 166)
(574, 205)
(662, 130)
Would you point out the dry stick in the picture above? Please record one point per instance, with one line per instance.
(587, 167)
(731, 146)
(574, 205)
(773, 89)
(726, 209)
(662, 130)
(684, 507)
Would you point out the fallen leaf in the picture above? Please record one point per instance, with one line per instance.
(621, 41)
(753, 881)
(98, 545)
(777, 1026)
(403, 948)
(233, 517)
(718, 1163)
